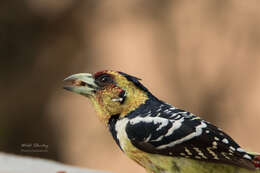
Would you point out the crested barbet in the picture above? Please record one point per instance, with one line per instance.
(158, 136)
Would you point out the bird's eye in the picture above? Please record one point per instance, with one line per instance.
(104, 80)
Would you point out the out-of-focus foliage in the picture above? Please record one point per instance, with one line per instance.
(202, 56)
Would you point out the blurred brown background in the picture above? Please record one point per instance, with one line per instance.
(203, 56)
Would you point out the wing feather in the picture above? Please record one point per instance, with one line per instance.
(175, 134)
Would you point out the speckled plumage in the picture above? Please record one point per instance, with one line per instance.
(158, 136)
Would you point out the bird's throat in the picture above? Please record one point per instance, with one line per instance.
(106, 108)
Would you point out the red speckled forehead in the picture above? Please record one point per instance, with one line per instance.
(109, 72)
(100, 73)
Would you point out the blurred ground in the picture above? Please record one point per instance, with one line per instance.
(18, 164)
(201, 56)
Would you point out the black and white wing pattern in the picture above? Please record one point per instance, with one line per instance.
(174, 132)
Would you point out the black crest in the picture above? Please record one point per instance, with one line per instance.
(135, 80)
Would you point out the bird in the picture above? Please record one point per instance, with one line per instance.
(156, 135)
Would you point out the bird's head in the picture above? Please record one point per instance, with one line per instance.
(111, 92)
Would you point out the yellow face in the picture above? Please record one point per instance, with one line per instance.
(110, 92)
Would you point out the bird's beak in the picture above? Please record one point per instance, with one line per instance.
(81, 83)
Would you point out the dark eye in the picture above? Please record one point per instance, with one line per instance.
(104, 80)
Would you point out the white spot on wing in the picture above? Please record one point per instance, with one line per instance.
(240, 150)
(225, 140)
(232, 148)
(214, 143)
(167, 111)
(188, 151)
(225, 155)
(175, 116)
(200, 152)
(197, 157)
(246, 156)
(212, 153)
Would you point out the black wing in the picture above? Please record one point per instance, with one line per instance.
(179, 133)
